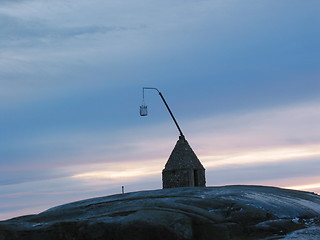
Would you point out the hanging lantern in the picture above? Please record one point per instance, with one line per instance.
(143, 107)
(143, 110)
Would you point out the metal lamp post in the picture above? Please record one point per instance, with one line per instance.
(144, 109)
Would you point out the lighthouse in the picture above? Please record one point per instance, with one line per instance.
(183, 168)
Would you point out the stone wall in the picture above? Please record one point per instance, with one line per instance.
(183, 178)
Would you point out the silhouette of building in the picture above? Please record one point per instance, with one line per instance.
(183, 168)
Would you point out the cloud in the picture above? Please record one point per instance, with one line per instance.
(51, 47)
(34, 34)
(278, 173)
(275, 135)
(278, 126)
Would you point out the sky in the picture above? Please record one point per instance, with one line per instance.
(241, 77)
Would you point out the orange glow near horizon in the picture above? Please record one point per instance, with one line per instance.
(262, 156)
(315, 186)
(126, 170)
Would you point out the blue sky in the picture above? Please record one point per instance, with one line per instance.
(242, 78)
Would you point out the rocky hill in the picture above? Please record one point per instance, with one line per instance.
(229, 212)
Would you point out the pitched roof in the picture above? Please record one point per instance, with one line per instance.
(183, 157)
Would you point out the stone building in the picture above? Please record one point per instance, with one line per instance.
(183, 168)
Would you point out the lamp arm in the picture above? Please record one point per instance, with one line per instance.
(169, 110)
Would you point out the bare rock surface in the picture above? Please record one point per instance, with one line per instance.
(223, 213)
